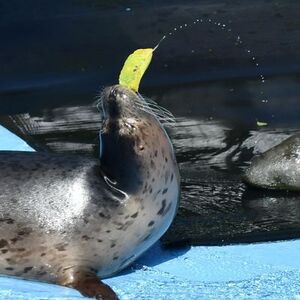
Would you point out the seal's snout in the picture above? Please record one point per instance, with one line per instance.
(109, 102)
(116, 101)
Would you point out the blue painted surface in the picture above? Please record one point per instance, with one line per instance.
(9, 141)
(255, 271)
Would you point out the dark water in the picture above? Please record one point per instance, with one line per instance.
(214, 140)
(54, 60)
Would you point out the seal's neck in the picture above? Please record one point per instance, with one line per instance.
(119, 161)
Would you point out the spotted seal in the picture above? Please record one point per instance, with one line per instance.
(66, 219)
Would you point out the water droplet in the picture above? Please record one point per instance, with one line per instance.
(185, 25)
(180, 26)
(175, 28)
(128, 9)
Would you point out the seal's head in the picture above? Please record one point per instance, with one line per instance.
(119, 102)
(132, 138)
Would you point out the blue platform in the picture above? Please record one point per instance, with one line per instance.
(255, 271)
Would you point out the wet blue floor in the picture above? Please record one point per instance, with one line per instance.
(255, 271)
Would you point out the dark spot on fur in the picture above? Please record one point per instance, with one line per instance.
(167, 209)
(150, 190)
(86, 238)
(25, 231)
(3, 243)
(134, 215)
(41, 273)
(61, 247)
(93, 270)
(167, 174)
(147, 237)
(7, 220)
(27, 269)
(107, 231)
(152, 164)
(9, 269)
(99, 241)
(151, 223)
(21, 249)
(145, 188)
(124, 226)
(172, 177)
(112, 245)
(166, 159)
(163, 206)
(43, 254)
(156, 194)
(164, 191)
(102, 215)
(4, 251)
(15, 239)
(155, 153)
(115, 257)
(153, 179)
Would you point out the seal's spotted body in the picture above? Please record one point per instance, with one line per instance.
(64, 218)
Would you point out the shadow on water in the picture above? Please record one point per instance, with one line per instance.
(60, 55)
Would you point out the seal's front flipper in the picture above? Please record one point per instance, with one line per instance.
(89, 285)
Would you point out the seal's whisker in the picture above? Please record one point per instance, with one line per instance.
(150, 106)
(162, 116)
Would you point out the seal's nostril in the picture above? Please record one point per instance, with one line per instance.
(114, 92)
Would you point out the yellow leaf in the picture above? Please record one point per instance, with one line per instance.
(260, 124)
(134, 68)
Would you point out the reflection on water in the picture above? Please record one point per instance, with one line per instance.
(216, 206)
(214, 138)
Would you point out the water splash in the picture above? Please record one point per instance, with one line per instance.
(238, 42)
